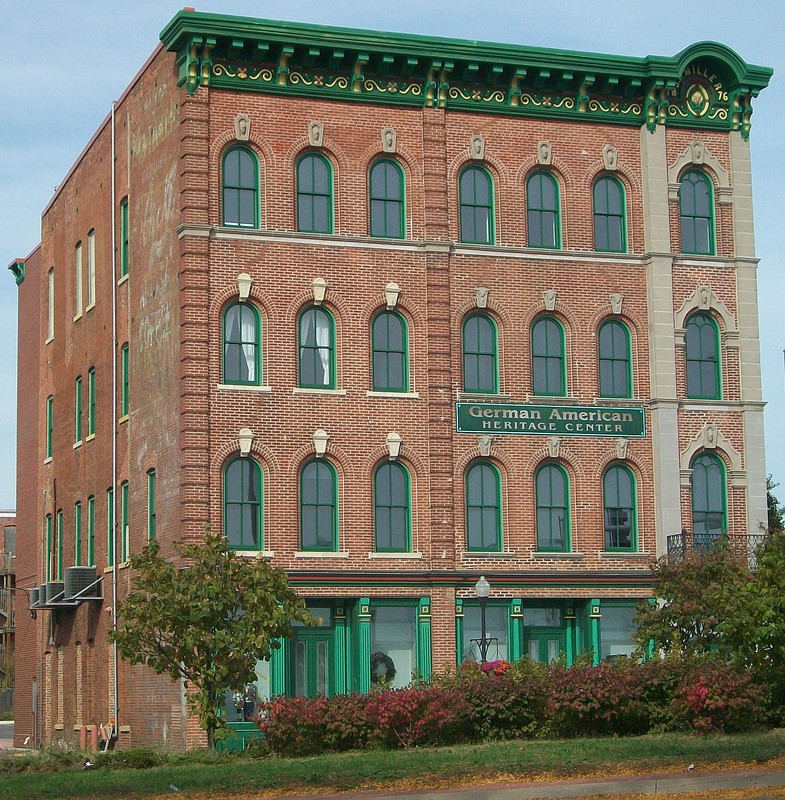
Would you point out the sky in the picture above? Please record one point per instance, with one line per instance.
(63, 62)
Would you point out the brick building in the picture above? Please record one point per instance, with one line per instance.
(394, 312)
(7, 597)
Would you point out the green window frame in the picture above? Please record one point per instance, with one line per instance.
(240, 188)
(50, 422)
(243, 504)
(124, 380)
(702, 357)
(615, 361)
(242, 344)
(318, 506)
(316, 342)
(610, 223)
(50, 305)
(552, 491)
(314, 194)
(543, 214)
(90, 268)
(386, 194)
(78, 410)
(124, 238)
(77, 534)
(151, 511)
(125, 531)
(620, 511)
(390, 343)
(696, 213)
(480, 355)
(708, 488)
(48, 546)
(78, 279)
(549, 375)
(475, 195)
(59, 533)
(91, 531)
(91, 401)
(110, 527)
(483, 507)
(392, 508)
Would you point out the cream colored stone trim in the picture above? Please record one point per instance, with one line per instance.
(710, 437)
(704, 299)
(696, 153)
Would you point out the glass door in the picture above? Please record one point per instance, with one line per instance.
(311, 663)
(545, 646)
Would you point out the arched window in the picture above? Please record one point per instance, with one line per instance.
(476, 201)
(390, 352)
(318, 506)
(386, 184)
(240, 177)
(483, 508)
(542, 210)
(243, 492)
(701, 341)
(610, 234)
(480, 370)
(391, 508)
(553, 508)
(317, 348)
(619, 506)
(709, 504)
(613, 342)
(242, 331)
(314, 194)
(696, 210)
(548, 375)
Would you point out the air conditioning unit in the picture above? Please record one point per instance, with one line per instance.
(54, 595)
(42, 596)
(33, 604)
(81, 584)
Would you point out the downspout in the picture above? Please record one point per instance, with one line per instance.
(115, 699)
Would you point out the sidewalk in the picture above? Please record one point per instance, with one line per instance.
(660, 784)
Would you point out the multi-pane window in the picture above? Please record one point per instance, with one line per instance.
(110, 535)
(91, 531)
(317, 349)
(50, 421)
(391, 508)
(242, 345)
(613, 343)
(78, 278)
(50, 308)
(542, 210)
(553, 517)
(240, 184)
(701, 339)
(78, 410)
(90, 269)
(480, 370)
(243, 493)
(696, 213)
(709, 505)
(91, 401)
(151, 513)
(386, 199)
(124, 236)
(548, 374)
(318, 506)
(483, 508)
(618, 493)
(77, 534)
(390, 352)
(124, 380)
(314, 194)
(476, 202)
(125, 533)
(609, 223)
(59, 533)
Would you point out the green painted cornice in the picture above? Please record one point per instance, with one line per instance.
(707, 85)
(17, 270)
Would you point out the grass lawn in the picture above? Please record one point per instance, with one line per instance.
(426, 767)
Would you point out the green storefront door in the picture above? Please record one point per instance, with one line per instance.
(312, 663)
(544, 645)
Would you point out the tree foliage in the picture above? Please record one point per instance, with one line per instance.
(207, 623)
(776, 511)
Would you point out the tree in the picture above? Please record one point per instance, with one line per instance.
(696, 597)
(776, 511)
(207, 623)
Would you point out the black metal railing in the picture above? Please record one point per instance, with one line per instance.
(744, 546)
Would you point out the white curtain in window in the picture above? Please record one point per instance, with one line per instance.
(323, 343)
(248, 337)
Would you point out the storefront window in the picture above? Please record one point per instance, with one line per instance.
(617, 629)
(495, 633)
(393, 646)
(542, 617)
(242, 704)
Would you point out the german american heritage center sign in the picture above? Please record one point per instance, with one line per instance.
(553, 420)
